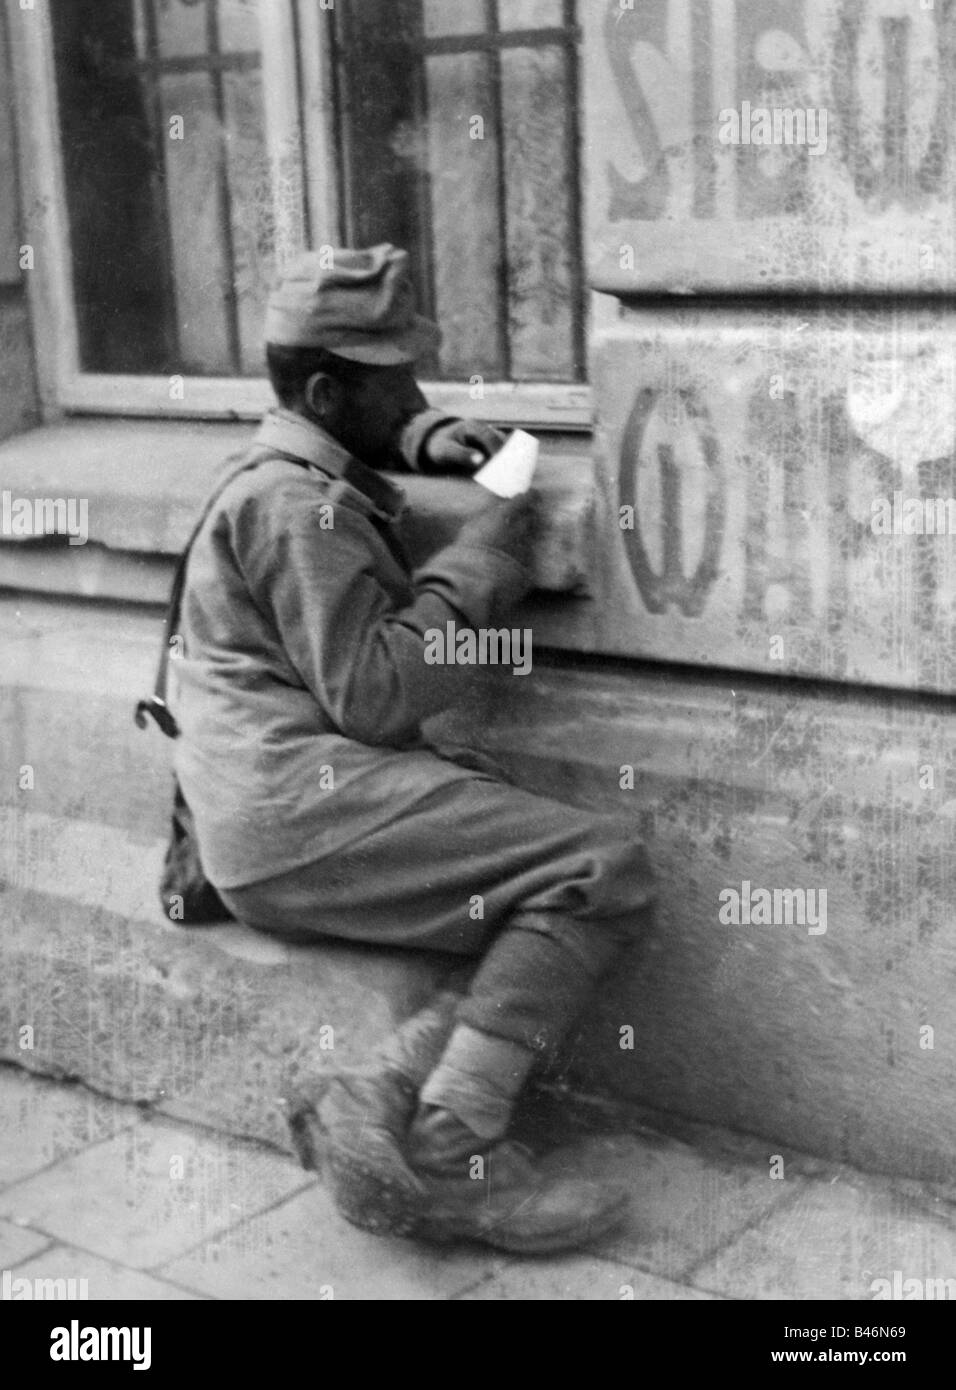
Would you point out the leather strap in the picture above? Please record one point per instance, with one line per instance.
(155, 706)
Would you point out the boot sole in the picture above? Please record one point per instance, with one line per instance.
(368, 1200)
(499, 1239)
(373, 1204)
(386, 1206)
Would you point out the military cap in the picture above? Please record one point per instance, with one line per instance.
(356, 304)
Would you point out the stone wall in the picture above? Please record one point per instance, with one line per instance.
(694, 183)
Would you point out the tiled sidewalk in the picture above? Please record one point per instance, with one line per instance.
(146, 1209)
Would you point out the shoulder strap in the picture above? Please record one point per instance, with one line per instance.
(155, 705)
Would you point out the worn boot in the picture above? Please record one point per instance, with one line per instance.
(355, 1133)
(496, 1195)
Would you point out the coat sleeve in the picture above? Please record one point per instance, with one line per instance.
(360, 654)
(416, 435)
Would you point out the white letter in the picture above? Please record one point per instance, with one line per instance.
(761, 911)
(80, 534)
(729, 132)
(729, 914)
(60, 1350)
(820, 920)
(761, 127)
(142, 1356)
(881, 524)
(521, 639)
(818, 142)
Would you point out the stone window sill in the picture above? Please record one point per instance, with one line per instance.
(144, 481)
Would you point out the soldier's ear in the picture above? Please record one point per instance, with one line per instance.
(322, 395)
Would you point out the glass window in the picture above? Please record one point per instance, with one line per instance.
(454, 132)
(167, 183)
(460, 142)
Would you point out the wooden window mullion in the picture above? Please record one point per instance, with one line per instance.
(154, 106)
(223, 190)
(497, 101)
(575, 184)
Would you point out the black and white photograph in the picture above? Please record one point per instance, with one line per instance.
(478, 664)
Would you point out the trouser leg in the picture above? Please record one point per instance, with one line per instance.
(453, 873)
(540, 972)
(527, 993)
(543, 895)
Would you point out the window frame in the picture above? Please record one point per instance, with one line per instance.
(300, 140)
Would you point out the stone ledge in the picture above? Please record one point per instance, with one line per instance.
(216, 1025)
(144, 481)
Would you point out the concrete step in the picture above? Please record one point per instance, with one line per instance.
(215, 1024)
(835, 1042)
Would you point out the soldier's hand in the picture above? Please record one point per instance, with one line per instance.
(509, 524)
(463, 445)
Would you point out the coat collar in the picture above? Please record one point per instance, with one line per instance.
(290, 433)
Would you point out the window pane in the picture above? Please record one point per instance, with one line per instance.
(444, 17)
(167, 183)
(239, 26)
(529, 14)
(464, 208)
(253, 212)
(180, 26)
(462, 151)
(540, 212)
(385, 135)
(466, 155)
(195, 209)
(112, 168)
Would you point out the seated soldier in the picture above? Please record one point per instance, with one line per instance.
(321, 813)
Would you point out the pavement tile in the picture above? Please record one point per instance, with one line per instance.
(41, 1121)
(17, 1244)
(105, 1280)
(684, 1204)
(579, 1277)
(243, 1223)
(833, 1242)
(303, 1247)
(152, 1192)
